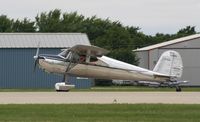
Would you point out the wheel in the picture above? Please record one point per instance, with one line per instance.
(62, 90)
(178, 89)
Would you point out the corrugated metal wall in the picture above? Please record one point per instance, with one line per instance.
(143, 57)
(16, 70)
(81, 82)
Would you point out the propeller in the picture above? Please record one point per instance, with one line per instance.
(36, 57)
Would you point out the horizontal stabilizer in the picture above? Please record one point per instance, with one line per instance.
(182, 82)
(161, 76)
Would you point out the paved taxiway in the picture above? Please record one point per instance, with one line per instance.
(99, 97)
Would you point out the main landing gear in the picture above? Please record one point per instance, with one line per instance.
(64, 86)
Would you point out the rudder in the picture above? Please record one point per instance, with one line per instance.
(170, 63)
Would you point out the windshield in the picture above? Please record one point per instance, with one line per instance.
(64, 53)
(70, 56)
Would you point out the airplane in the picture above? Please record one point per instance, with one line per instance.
(91, 62)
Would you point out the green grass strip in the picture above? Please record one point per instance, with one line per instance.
(99, 113)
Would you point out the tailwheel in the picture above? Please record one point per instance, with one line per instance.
(178, 89)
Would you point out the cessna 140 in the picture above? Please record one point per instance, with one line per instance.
(89, 61)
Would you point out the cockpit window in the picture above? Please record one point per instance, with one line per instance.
(74, 57)
(69, 56)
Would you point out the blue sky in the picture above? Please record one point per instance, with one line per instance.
(152, 16)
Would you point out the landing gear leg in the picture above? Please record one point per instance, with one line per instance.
(65, 79)
(178, 89)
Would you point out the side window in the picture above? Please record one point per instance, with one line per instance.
(75, 58)
(93, 59)
(72, 57)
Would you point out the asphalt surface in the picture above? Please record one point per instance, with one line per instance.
(99, 97)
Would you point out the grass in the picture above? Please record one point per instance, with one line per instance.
(99, 113)
(107, 89)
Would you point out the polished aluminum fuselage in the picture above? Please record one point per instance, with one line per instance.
(109, 69)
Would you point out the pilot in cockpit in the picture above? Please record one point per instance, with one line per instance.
(82, 58)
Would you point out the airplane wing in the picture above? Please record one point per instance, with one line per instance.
(89, 50)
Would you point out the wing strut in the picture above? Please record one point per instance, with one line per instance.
(88, 56)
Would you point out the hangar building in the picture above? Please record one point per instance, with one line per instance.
(189, 49)
(16, 58)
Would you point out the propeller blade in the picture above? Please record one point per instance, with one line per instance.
(36, 57)
(35, 64)
(37, 52)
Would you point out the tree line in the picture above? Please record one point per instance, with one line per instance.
(111, 35)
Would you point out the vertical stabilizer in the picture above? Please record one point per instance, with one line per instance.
(170, 63)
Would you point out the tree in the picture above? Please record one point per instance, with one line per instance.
(125, 55)
(103, 33)
(95, 27)
(138, 39)
(118, 40)
(5, 24)
(160, 37)
(188, 30)
(114, 38)
(23, 26)
(112, 35)
(49, 22)
(72, 22)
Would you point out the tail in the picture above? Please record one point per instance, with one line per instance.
(170, 63)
